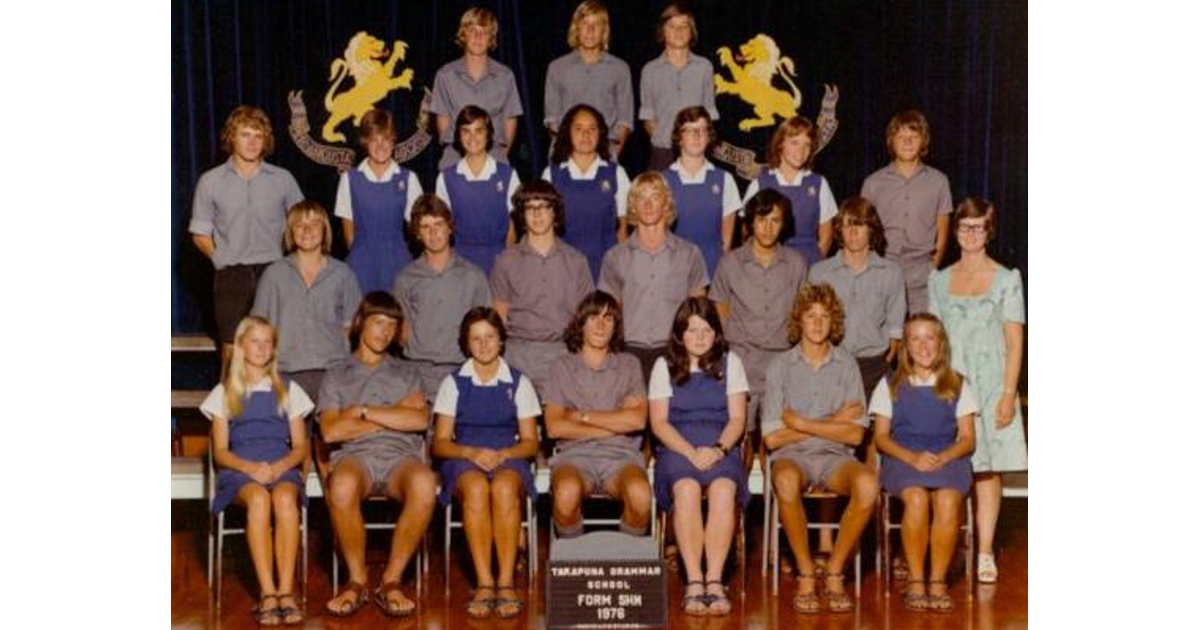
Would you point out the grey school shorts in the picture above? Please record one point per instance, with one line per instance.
(817, 465)
(377, 461)
(599, 464)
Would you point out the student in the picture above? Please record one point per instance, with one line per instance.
(259, 441)
(437, 289)
(537, 284)
(914, 203)
(374, 200)
(476, 79)
(652, 271)
(478, 191)
(238, 216)
(791, 155)
(812, 419)
(589, 74)
(596, 409)
(310, 296)
(982, 306)
(925, 419)
(754, 288)
(373, 411)
(675, 80)
(594, 190)
(698, 413)
(706, 196)
(486, 433)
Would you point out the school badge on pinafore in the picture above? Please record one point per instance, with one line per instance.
(605, 186)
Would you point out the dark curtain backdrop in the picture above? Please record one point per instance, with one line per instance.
(963, 62)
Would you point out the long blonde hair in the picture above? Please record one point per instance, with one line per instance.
(236, 378)
(947, 383)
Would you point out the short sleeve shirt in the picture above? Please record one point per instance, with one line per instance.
(311, 320)
(434, 303)
(574, 385)
(872, 298)
(621, 195)
(652, 285)
(541, 291)
(731, 201)
(660, 378)
(881, 398)
(665, 90)
(496, 93)
(825, 201)
(245, 217)
(606, 85)
(343, 206)
(759, 298)
(526, 399)
(909, 208)
(792, 383)
(299, 404)
(351, 384)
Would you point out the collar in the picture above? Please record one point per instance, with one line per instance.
(677, 166)
(797, 356)
(891, 169)
(917, 381)
(691, 58)
(489, 169)
(421, 265)
(573, 168)
(365, 169)
(503, 375)
(745, 254)
(263, 168)
(873, 260)
(607, 364)
(669, 244)
(460, 66)
(604, 57)
(799, 177)
(292, 261)
(524, 247)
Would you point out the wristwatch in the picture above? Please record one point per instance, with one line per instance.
(720, 447)
(362, 412)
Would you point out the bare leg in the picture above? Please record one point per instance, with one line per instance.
(474, 491)
(347, 487)
(285, 501)
(567, 488)
(789, 482)
(914, 531)
(689, 526)
(632, 486)
(855, 480)
(718, 537)
(507, 494)
(415, 485)
(987, 509)
(257, 500)
(947, 505)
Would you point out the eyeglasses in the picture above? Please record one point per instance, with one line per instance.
(972, 229)
(538, 206)
(695, 132)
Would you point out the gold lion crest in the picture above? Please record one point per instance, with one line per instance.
(373, 81)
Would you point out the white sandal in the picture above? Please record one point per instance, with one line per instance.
(986, 572)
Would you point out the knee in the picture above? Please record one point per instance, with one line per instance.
(285, 502)
(722, 493)
(344, 492)
(505, 492)
(686, 493)
(788, 485)
(422, 489)
(637, 496)
(946, 506)
(916, 501)
(258, 501)
(865, 491)
(568, 494)
(475, 492)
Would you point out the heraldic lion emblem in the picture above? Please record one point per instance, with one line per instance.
(760, 61)
(373, 80)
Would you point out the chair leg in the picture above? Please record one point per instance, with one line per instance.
(304, 553)
(774, 546)
(969, 538)
(446, 548)
(220, 545)
(885, 518)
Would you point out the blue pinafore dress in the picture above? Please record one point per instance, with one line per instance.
(379, 250)
(480, 210)
(261, 434)
(591, 212)
(487, 417)
(699, 410)
(806, 212)
(923, 422)
(699, 213)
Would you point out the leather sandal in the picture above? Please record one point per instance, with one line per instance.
(359, 590)
(384, 602)
(695, 605)
(940, 603)
(718, 603)
(481, 607)
(807, 603)
(918, 602)
(986, 571)
(838, 601)
(264, 614)
(507, 607)
(289, 615)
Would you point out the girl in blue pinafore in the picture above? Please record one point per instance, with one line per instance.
(373, 201)
(479, 191)
(925, 432)
(791, 155)
(706, 197)
(594, 190)
(698, 412)
(486, 435)
(259, 441)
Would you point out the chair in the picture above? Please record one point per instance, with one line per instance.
(218, 530)
(883, 559)
(529, 524)
(771, 527)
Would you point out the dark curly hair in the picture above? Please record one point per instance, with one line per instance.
(562, 142)
(822, 294)
(713, 361)
(595, 303)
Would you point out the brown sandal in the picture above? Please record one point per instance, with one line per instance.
(482, 607)
(359, 591)
(384, 602)
(289, 615)
(266, 616)
(839, 602)
(917, 602)
(807, 603)
(939, 603)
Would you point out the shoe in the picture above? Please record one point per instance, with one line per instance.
(718, 603)
(481, 607)
(507, 607)
(839, 601)
(985, 570)
(289, 615)
(359, 590)
(265, 613)
(939, 603)
(696, 605)
(384, 602)
(899, 569)
(918, 602)
(807, 603)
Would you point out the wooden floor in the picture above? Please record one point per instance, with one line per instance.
(998, 607)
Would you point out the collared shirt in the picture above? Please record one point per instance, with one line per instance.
(299, 404)
(872, 298)
(526, 399)
(489, 169)
(651, 284)
(825, 198)
(311, 320)
(730, 201)
(496, 93)
(606, 85)
(621, 195)
(245, 217)
(665, 90)
(815, 393)
(434, 304)
(759, 298)
(541, 291)
(881, 398)
(573, 384)
(909, 208)
(660, 378)
(343, 206)
(351, 383)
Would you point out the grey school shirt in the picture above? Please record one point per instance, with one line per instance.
(434, 304)
(245, 217)
(311, 320)
(652, 285)
(873, 300)
(813, 393)
(541, 291)
(350, 383)
(606, 85)
(759, 298)
(574, 385)
(495, 93)
(909, 208)
(665, 90)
